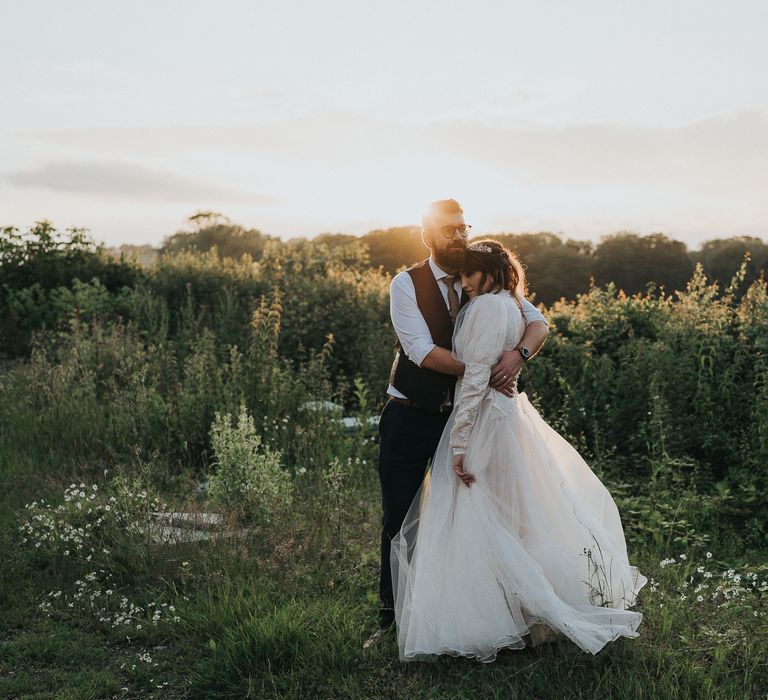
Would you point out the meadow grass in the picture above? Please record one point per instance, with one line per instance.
(282, 611)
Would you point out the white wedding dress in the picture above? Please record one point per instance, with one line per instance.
(535, 541)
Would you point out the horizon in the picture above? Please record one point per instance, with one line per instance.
(581, 121)
(564, 237)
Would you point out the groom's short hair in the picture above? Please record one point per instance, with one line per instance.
(441, 206)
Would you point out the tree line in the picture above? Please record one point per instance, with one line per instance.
(555, 267)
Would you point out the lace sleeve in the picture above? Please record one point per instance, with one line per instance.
(473, 388)
(479, 345)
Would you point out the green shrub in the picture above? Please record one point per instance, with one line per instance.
(249, 476)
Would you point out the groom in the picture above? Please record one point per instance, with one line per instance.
(424, 301)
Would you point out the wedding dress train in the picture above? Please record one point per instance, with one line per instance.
(536, 540)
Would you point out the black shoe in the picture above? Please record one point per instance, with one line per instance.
(386, 618)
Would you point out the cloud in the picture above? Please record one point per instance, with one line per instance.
(515, 98)
(722, 157)
(339, 137)
(267, 98)
(725, 155)
(123, 179)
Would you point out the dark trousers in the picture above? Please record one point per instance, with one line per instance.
(408, 440)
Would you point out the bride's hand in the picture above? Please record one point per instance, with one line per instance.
(458, 467)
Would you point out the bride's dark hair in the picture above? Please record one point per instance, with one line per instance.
(503, 266)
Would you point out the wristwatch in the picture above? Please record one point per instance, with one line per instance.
(524, 351)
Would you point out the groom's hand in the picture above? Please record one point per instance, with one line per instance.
(503, 373)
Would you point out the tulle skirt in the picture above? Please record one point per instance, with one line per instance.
(536, 540)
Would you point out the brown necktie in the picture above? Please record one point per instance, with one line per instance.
(453, 298)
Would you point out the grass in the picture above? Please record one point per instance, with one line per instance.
(283, 612)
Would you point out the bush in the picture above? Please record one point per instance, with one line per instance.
(249, 477)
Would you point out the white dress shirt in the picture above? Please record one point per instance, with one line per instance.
(410, 326)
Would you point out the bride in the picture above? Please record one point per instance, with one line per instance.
(511, 537)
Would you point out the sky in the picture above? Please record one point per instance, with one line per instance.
(298, 118)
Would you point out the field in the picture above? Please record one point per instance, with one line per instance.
(130, 394)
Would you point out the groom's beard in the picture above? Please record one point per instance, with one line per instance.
(450, 259)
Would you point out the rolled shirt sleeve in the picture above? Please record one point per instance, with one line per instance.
(409, 324)
(531, 313)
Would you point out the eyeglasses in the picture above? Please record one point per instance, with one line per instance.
(448, 231)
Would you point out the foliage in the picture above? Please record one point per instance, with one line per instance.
(643, 385)
(634, 261)
(249, 476)
(47, 275)
(665, 394)
(654, 386)
(554, 268)
(721, 257)
(212, 231)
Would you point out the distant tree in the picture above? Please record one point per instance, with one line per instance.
(632, 262)
(323, 251)
(333, 240)
(721, 258)
(145, 255)
(211, 229)
(553, 268)
(393, 248)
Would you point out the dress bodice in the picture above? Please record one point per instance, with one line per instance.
(488, 325)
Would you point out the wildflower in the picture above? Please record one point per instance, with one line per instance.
(709, 555)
